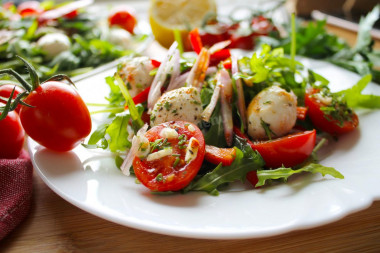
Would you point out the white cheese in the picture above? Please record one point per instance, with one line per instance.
(144, 146)
(53, 44)
(192, 150)
(191, 128)
(159, 154)
(169, 133)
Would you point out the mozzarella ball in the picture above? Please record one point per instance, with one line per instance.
(135, 74)
(274, 106)
(179, 104)
(119, 37)
(53, 44)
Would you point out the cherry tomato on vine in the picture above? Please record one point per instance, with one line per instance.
(124, 17)
(11, 136)
(175, 170)
(325, 122)
(59, 119)
(6, 90)
(289, 150)
(52, 113)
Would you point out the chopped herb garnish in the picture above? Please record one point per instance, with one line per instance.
(267, 129)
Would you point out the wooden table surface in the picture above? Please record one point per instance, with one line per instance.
(55, 225)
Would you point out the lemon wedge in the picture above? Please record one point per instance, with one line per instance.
(167, 15)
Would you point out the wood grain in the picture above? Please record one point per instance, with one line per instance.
(55, 225)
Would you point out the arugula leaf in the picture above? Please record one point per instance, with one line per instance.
(285, 173)
(97, 138)
(246, 160)
(364, 39)
(354, 98)
(118, 133)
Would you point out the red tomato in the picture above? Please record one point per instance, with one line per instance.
(155, 63)
(29, 8)
(171, 173)
(72, 15)
(325, 122)
(246, 42)
(252, 178)
(261, 25)
(59, 119)
(216, 155)
(11, 136)
(6, 90)
(124, 17)
(289, 150)
(219, 56)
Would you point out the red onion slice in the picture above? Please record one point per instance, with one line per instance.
(133, 150)
(219, 46)
(174, 69)
(159, 79)
(240, 92)
(226, 101)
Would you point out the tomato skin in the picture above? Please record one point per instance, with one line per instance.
(59, 119)
(29, 8)
(252, 178)
(288, 151)
(328, 125)
(216, 155)
(124, 17)
(11, 136)
(6, 90)
(174, 178)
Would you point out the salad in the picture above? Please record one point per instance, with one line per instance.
(184, 124)
(66, 38)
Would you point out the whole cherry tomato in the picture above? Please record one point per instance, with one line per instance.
(123, 16)
(171, 172)
(326, 122)
(59, 119)
(11, 136)
(52, 113)
(289, 150)
(6, 90)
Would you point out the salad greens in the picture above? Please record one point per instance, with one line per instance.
(314, 41)
(90, 46)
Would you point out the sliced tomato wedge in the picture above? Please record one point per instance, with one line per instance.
(171, 172)
(325, 122)
(287, 151)
(216, 155)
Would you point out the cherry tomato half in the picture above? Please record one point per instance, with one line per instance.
(289, 150)
(170, 172)
(11, 136)
(30, 8)
(59, 119)
(124, 17)
(325, 122)
(6, 90)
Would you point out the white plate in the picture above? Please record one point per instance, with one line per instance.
(90, 181)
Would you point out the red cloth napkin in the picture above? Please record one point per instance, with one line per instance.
(16, 182)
